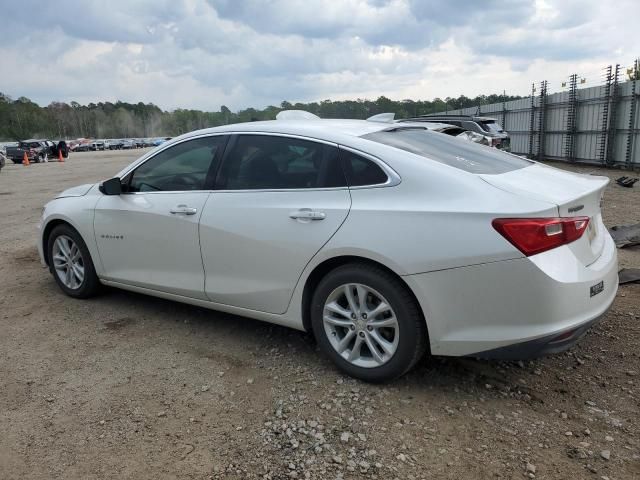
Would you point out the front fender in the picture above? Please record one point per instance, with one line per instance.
(77, 212)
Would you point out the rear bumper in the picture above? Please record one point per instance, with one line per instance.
(517, 308)
(555, 343)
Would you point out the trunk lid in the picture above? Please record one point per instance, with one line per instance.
(575, 195)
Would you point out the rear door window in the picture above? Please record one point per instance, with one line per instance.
(272, 162)
(452, 151)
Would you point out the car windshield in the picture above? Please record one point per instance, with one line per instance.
(490, 126)
(455, 152)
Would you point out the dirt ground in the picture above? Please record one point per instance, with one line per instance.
(128, 386)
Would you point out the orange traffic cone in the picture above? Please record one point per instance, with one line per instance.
(25, 159)
(60, 159)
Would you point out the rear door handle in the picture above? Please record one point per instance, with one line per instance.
(307, 214)
(183, 210)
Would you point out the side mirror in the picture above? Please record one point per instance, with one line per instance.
(113, 186)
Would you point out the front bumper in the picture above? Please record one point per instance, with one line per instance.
(39, 244)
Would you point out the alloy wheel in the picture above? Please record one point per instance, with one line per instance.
(361, 325)
(68, 262)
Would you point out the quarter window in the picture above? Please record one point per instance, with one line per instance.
(184, 166)
(274, 162)
(361, 171)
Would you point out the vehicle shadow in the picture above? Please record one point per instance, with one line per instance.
(216, 334)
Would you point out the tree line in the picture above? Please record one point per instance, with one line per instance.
(21, 118)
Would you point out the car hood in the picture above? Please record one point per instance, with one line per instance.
(78, 191)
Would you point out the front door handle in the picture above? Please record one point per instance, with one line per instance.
(307, 214)
(183, 210)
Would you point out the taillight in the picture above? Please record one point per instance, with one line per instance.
(537, 235)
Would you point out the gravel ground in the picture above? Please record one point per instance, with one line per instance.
(130, 386)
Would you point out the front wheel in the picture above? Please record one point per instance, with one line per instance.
(70, 263)
(365, 319)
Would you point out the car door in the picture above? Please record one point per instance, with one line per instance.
(148, 235)
(278, 200)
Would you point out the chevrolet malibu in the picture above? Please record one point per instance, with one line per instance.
(385, 240)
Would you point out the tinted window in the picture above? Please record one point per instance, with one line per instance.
(184, 166)
(273, 162)
(452, 151)
(490, 126)
(361, 171)
(452, 131)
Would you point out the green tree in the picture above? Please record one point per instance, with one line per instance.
(22, 118)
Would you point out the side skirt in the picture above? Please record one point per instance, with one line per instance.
(243, 312)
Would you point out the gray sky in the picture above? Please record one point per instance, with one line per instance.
(206, 53)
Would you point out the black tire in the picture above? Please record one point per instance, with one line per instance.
(413, 336)
(90, 285)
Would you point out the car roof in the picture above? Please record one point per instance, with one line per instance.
(34, 140)
(334, 130)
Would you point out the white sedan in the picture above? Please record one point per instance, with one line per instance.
(385, 240)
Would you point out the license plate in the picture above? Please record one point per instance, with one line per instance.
(591, 231)
(596, 289)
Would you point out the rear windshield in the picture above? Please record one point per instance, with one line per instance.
(490, 126)
(452, 151)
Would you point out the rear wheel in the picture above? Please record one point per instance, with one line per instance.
(368, 323)
(71, 264)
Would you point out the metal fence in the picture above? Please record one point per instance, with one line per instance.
(596, 125)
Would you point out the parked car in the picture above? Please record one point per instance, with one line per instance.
(98, 145)
(384, 240)
(3, 147)
(159, 141)
(37, 151)
(485, 126)
(115, 144)
(127, 144)
(82, 147)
